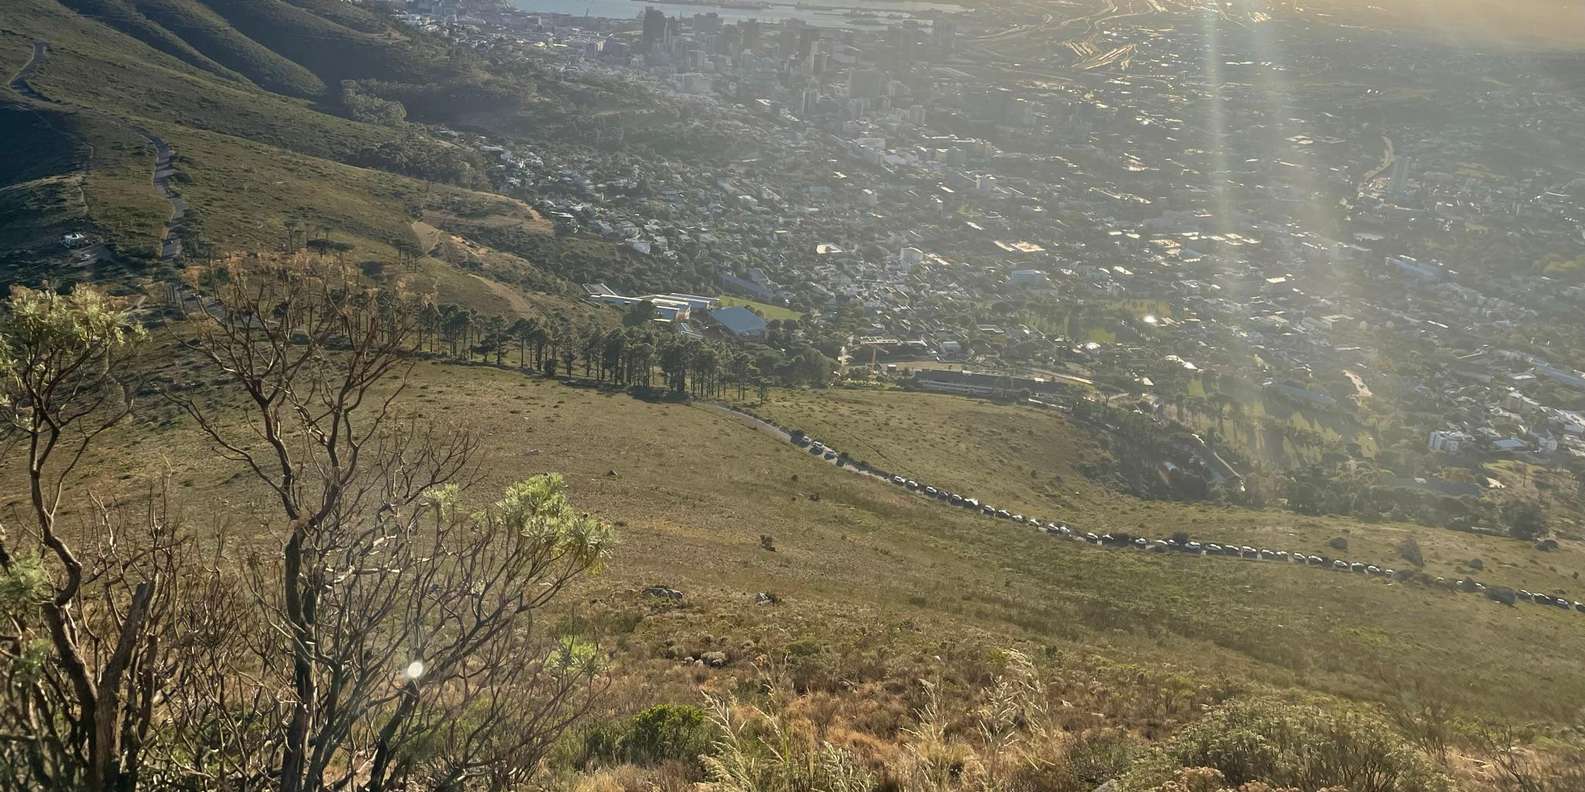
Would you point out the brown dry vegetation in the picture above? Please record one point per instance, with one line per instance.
(867, 571)
(876, 589)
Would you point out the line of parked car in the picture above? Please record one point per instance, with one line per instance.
(1180, 543)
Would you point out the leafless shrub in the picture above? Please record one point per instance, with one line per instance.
(1520, 769)
(81, 615)
(1424, 716)
(387, 642)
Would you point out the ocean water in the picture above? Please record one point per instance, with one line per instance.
(824, 13)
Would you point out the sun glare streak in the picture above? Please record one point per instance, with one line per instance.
(1292, 169)
(1219, 174)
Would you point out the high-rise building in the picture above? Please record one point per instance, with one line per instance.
(806, 102)
(943, 36)
(808, 36)
(866, 83)
(730, 42)
(654, 34)
(904, 42)
(787, 37)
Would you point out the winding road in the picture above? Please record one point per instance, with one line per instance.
(19, 82)
(1196, 550)
(170, 243)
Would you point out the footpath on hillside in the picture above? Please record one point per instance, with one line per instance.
(164, 154)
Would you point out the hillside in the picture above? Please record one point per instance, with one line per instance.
(1029, 461)
(296, 50)
(884, 587)
(861, 630)
(238, 93)
(697, 526)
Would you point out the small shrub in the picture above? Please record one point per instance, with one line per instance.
(1294, 745)
(803, 647)
(588, 746)
(1337, 543)
(1081, 765)
(759, 751)
(1409, 550)
(1425, 716)
(1208, 779)
(1100, 756)
(662, 733)
(1561, 769)
(23, 585)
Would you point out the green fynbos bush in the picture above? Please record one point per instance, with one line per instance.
(662, 733)
(1294, 745)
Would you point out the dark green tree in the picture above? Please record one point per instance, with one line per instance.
(639, 314)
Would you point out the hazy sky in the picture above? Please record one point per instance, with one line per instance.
(1548, 23)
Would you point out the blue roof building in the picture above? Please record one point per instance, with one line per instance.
(740, 321)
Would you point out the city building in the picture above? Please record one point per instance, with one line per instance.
(740, 322)
(1028, 278)
(654, 31)
(1449, 441)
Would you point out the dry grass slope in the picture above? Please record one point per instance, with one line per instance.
(861, 564)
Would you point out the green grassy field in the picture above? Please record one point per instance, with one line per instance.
(94, 67)
(253, 164)
(70, 171)
(244, 193)
(764, 309)
(249, 164)
(253, 157)
(1026, 460)
(119, 184)
(40, 183)
(694, 490)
